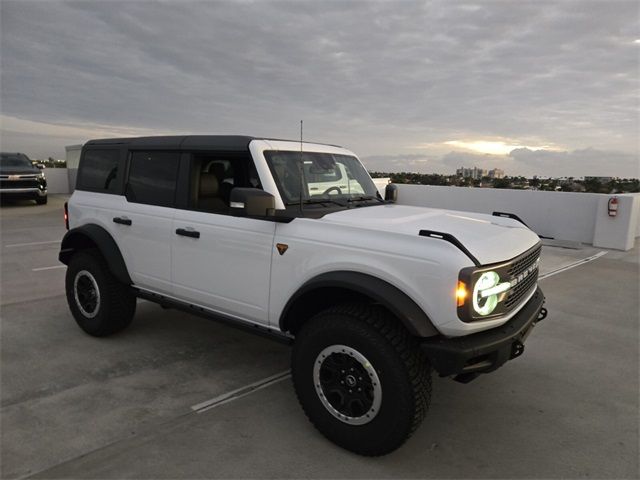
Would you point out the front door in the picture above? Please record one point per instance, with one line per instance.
(219, 261)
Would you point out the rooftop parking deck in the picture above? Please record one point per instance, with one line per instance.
(73, 406)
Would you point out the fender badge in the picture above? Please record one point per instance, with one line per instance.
(282, 247)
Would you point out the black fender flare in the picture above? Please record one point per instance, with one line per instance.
(91, 234)
(376, 289)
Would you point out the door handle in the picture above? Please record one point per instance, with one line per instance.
(122, 220)
(187, 233)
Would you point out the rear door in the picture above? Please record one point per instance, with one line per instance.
(220, 261)
(144, 225)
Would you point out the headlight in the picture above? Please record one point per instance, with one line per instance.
(486, 291)
(490, 291)
(480, 293)
(41, 175)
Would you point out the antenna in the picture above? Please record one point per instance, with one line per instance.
(301, 169)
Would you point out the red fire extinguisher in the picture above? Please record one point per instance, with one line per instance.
(612, 209)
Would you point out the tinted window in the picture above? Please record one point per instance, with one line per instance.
(152, 178)
(98, 171)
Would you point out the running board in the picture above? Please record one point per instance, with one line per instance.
(167, 302)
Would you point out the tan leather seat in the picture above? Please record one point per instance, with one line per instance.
(224, 188)
(208, 197)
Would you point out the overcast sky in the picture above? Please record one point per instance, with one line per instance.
(548, 88)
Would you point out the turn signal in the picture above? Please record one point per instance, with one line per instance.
(461, 293)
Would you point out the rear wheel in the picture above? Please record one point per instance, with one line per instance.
(100, 304)
(361, 378)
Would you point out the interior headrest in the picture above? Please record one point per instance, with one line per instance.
(208, 185)
(219, 170)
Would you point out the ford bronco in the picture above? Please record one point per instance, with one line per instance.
(292, 240)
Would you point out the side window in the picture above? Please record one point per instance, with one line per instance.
(152, 178)
(98, 171)
(214, 175)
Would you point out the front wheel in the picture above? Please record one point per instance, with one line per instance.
(100, 304)
(41, 200)
(361, 378)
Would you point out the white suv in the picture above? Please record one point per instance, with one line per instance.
(372, 295)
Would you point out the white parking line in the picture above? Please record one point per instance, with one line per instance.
(30, 244)
(48, 268)
(240, 392)
(573, 265)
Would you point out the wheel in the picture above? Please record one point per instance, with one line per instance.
(361, 378)
(100, 304)
(41, 200)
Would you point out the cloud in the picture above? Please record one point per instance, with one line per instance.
(374, 76)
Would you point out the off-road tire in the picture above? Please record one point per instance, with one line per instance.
(117, 304)
(403, 370)
(41, 200)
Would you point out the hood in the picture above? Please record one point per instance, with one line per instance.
(490, 239)
(19, 171)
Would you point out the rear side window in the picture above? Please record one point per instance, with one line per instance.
(98, 171)
(152, 178)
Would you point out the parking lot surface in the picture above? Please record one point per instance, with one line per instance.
(73, 406)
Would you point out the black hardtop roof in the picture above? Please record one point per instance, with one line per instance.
(222, 142)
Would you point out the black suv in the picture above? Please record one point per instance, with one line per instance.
(19, 178)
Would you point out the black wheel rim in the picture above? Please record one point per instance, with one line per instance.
(86, 293)
(347, 384)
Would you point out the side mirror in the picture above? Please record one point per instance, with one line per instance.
(40, 166)
(252, 202)
(391, 193)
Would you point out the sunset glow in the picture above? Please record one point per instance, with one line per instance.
(493, 147)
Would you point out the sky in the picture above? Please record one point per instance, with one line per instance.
(534, 88)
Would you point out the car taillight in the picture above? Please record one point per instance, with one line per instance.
(66, 215)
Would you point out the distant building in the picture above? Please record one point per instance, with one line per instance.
(496, 173)
(475, 173)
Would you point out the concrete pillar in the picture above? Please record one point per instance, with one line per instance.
(617, 232)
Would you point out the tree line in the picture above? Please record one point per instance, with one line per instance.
(569, 184)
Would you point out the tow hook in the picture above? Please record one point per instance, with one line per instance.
(542, 314)
(517, 349)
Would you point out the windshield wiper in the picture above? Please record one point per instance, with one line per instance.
(364, 198)
(318, 201)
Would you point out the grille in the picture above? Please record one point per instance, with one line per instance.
(524, 286)
(520, 290)
(18, 184)
(521, 264)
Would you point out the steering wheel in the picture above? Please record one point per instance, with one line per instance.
(331, 189)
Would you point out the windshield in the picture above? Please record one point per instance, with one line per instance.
(15, 160)
(324, 176)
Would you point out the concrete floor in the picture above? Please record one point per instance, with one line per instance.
(73, 406)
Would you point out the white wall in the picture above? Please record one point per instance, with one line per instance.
(57, 180)
(73, 155)
(73, 159)
(560, 215)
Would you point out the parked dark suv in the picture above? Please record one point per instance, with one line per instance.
(19, 178)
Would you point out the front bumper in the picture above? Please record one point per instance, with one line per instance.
(26, 191)
(485, 351)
